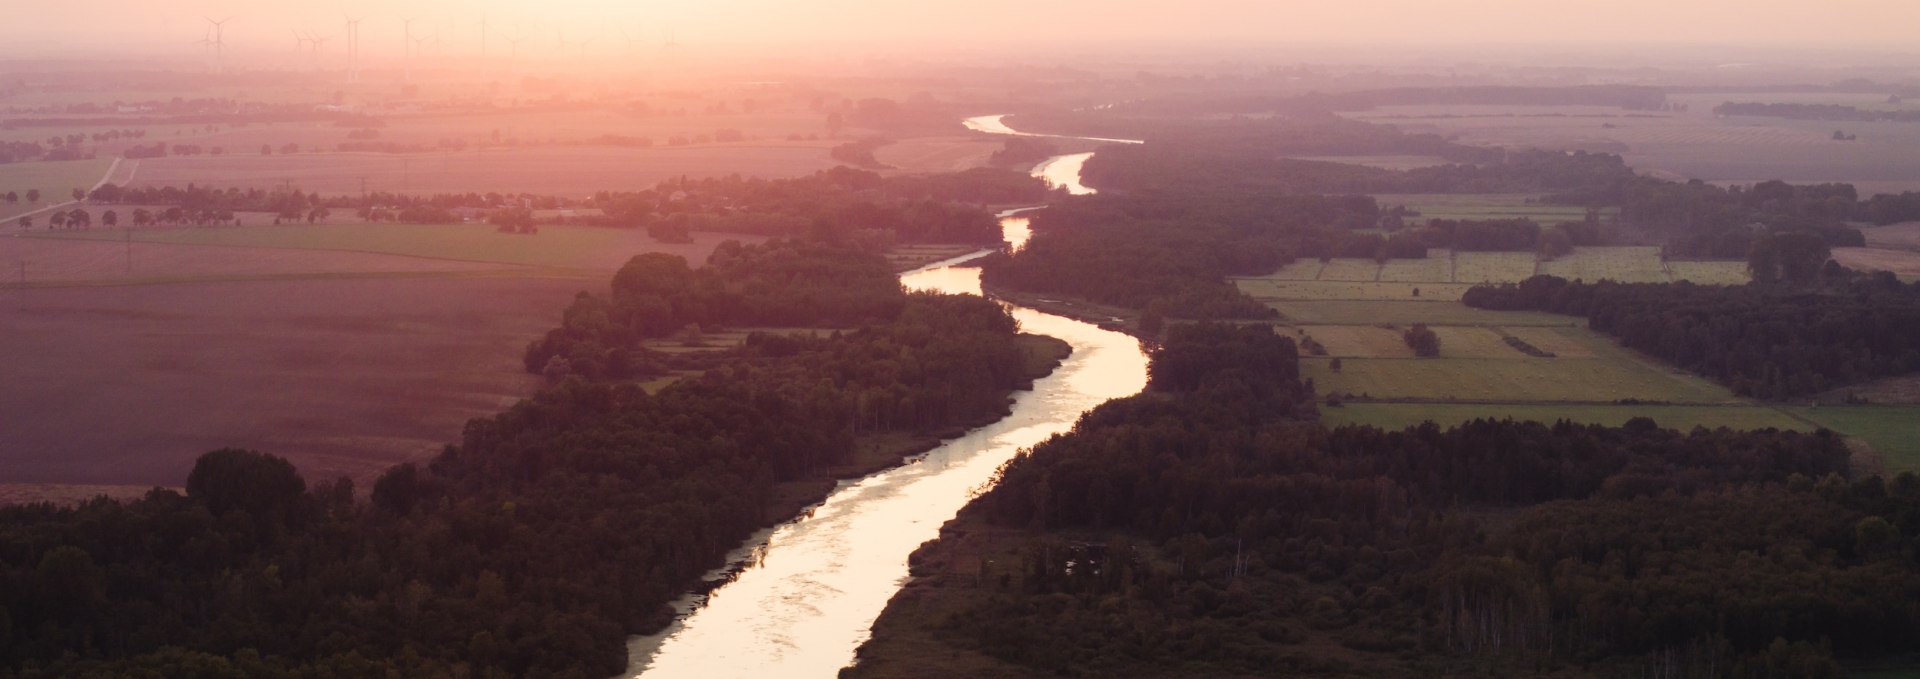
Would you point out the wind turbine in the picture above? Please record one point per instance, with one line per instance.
(353, 48)
(219, 42)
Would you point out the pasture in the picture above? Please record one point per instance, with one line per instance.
(1406, 312)
(1903, 263)
(1401, 415)
(1600, 379)
(128, 384)
(1383, 161)
(564, 171)
(1694, 144)
(1484, 206)
(937, 154)
(55, 179)
(568, 247)
(1893, 432)
(1445, 275)
(27, 261)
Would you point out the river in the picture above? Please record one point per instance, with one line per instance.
(804, 594)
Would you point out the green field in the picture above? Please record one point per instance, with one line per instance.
(1892, 431)
(1446, 274)
(1399, 415)
(55, 179)
(1333, 312)
(577, 247)
(1484, 206)
(1584, 380)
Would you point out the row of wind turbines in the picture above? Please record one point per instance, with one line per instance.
(418, 45)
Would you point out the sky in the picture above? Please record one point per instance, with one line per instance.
(264, 25)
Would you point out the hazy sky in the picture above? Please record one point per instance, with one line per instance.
(265, 24)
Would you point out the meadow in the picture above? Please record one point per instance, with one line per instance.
(1399, 415)
(1445, 275)
(567, 247)
(1885, 157)
(1893, 432)
(1518, 379)
(575, 171)
(55, 180)
(1485, 206)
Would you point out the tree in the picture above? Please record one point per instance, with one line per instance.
(13, 197)
(26, 222)
(33, 195)
(398, 490)
(79, 219)
(78, 195)
(109, 219)
(1334, 365)
(1423, 341)
(57, 220)
(231, 479)
(141, 217)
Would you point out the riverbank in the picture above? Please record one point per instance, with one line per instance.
(875, 453)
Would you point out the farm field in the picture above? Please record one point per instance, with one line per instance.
(1406, 312)
(1903, 263)
(1892, 431)
(573, 247)
(1484, 206)
(565, 171)
(1689, 145)
(1893, 236)
(129, 384)
(1525, 379)
(937, 154)
(1446, 275)
(66, 261)
(1384, 162)
(1400, 415)
(55, 179)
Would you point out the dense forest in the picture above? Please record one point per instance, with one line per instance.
(1836, 327)
(531, 547)
(1174, 247)
(1203, 528)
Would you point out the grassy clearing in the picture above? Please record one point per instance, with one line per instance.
(1903, 263)
(1581, 380)
(577, 247)
(1710, 272)
(1359, 341)
(1892, 431)
(1400, 415)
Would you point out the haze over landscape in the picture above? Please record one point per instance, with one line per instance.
(758, 338)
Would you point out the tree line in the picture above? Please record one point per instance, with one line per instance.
(1769, 341)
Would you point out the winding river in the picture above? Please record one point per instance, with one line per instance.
(803, 595)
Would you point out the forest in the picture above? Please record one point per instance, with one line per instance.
(1175, 247)
(1208, 528)
(535, 544)
(1827, 328)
